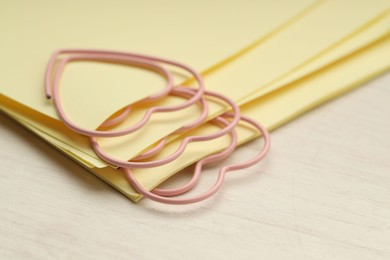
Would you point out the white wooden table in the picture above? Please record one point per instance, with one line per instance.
(322, 193)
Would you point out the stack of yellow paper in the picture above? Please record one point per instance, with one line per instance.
(277, 59)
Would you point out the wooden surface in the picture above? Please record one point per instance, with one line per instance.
(322, 193)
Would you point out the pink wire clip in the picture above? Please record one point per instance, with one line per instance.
(183, 92)
(164, 196)
(135, 164)
(52, 90)
(191, 96)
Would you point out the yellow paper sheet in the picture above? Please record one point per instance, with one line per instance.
(30, 120)
(310, 36)
(199, 33)
(272, 110)
(372, 31)
(283, 105)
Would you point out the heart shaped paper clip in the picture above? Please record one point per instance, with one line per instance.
(51, 88)
(192, 96)
(165, 196)
(135, 164)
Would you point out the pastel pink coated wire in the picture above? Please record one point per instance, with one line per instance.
(135, 59)
(183, 92)
(119, 118)
(218, 184)
(208, 159)
(191, 96)
(136, 164)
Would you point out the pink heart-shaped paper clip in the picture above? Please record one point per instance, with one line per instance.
(165, 196)
(110, 56)
(137, 164)
(192, 96)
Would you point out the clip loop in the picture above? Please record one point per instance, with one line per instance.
(165, 195)
(227, 122)
(52, 88)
